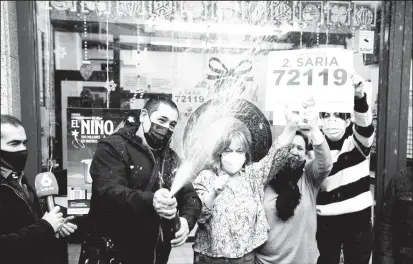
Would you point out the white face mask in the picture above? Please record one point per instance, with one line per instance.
(334, 130)
(334, 135)
(232, 162)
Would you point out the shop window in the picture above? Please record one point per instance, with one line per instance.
(102, 60)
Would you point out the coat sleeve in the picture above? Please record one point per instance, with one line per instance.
(363, 130)
(189, 204)
(26, 239)
(110, 182)
(385, 236)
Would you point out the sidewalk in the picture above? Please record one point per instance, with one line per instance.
(180, 255)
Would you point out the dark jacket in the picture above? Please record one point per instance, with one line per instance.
(24, 236)
(121, 209)
(395, 240)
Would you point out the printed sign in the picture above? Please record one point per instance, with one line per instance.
(85, 127)
(131, 81)
(188, 100)
(189, 97)
(78, 207)
(366, 42)
(294, 76)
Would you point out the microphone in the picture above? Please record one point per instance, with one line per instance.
(46, 186)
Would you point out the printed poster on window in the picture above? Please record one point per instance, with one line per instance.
(295, 75)
(85, 127)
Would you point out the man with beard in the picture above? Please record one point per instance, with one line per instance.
(132, 171)
(25, 235)
(344, 201)
(290, 200)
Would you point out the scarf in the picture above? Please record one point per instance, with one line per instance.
(285, 185)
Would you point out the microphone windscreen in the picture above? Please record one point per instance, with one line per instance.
(46, 184)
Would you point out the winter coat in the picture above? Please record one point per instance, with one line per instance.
(24, 236)
(121, 208)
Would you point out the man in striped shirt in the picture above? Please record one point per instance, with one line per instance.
(344, 200)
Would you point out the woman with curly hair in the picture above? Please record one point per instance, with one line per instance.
(232, 222)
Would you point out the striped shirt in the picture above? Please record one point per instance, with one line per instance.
(347, 188)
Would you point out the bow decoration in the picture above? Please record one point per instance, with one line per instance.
(222, 72)
(228, 82)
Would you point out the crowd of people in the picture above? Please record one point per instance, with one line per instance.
(284, 209)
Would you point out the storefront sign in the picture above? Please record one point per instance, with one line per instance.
(293, 76)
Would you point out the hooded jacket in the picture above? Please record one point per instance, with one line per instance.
(24, 236)
(121, 208)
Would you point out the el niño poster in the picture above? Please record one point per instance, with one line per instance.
(85, 128)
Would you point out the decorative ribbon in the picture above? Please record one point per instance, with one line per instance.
(222, 71)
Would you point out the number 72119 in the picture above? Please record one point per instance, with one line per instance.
(189, 98)
(340, 76)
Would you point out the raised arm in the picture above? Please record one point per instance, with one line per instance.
(275, 159)
(363, 129)
(278, 153)
(319, 168)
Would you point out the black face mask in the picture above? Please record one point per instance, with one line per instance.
(15, 161)
(158, 137)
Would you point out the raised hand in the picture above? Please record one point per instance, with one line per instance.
(310, 114)
(358, 84)
(291, 117)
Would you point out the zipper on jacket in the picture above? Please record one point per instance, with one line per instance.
(33, 214)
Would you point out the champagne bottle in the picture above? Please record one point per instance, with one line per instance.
(169, 228)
